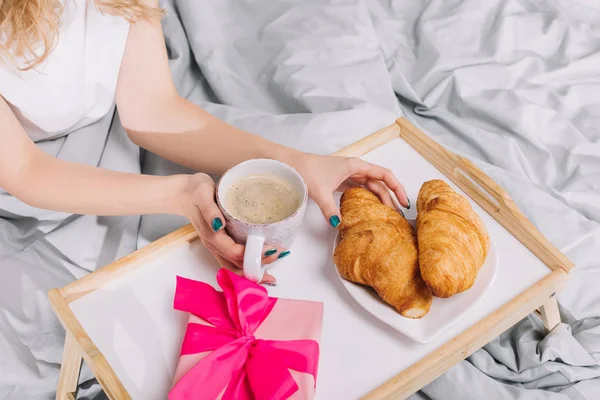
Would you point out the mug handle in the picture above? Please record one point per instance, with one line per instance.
(253, 268)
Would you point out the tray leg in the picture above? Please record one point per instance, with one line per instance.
(69, 370)
(550, 314)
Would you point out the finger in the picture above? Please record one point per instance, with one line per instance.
(267, 279)
(270, 255)
(273, 253)
(375, 172)
(204, 198)
(224, 263)
(199, 224)
(348, 184)
(382, 192)
(227, 248)
(235, 263)
(219, 243)
(329, 209)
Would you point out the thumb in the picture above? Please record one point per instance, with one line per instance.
(330, 210)
(203, 198)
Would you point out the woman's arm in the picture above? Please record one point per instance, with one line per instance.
(158, 119)
(45, 182)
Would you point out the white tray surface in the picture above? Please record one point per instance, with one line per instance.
(132, 322)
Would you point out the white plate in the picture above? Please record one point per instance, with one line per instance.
(443, 312)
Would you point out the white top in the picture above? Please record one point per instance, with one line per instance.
(76, 85)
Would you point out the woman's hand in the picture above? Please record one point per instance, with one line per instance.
(326, 174)
(323, 176)
(198, 205)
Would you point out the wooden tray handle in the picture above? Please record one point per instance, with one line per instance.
(487, 183)
(371, 142)
(485, 192)
(483, 181)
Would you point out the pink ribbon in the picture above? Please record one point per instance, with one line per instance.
(249, 368)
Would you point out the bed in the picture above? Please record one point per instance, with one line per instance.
(514, 85)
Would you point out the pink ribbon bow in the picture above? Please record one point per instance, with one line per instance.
(249, 368)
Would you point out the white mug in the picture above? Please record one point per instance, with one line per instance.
(255, 236)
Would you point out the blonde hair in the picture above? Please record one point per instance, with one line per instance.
(28, 23)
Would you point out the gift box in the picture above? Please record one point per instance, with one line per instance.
(241, 344)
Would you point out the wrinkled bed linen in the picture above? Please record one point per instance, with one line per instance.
(513, 84)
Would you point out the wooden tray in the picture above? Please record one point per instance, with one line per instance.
(534, 271)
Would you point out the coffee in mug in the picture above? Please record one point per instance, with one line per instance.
(263, 202)
(262, 199)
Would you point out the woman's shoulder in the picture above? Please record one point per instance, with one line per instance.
(82, 30)
(76, 83)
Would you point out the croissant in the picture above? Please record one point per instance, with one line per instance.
(453, 241)
(378, 248)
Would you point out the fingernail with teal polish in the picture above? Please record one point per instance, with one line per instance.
(408, 201)
(217, 224)
(283, 254)
(401, 212)
(270, 252)
(334, 220)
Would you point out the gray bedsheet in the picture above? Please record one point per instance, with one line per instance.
(513, 84)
